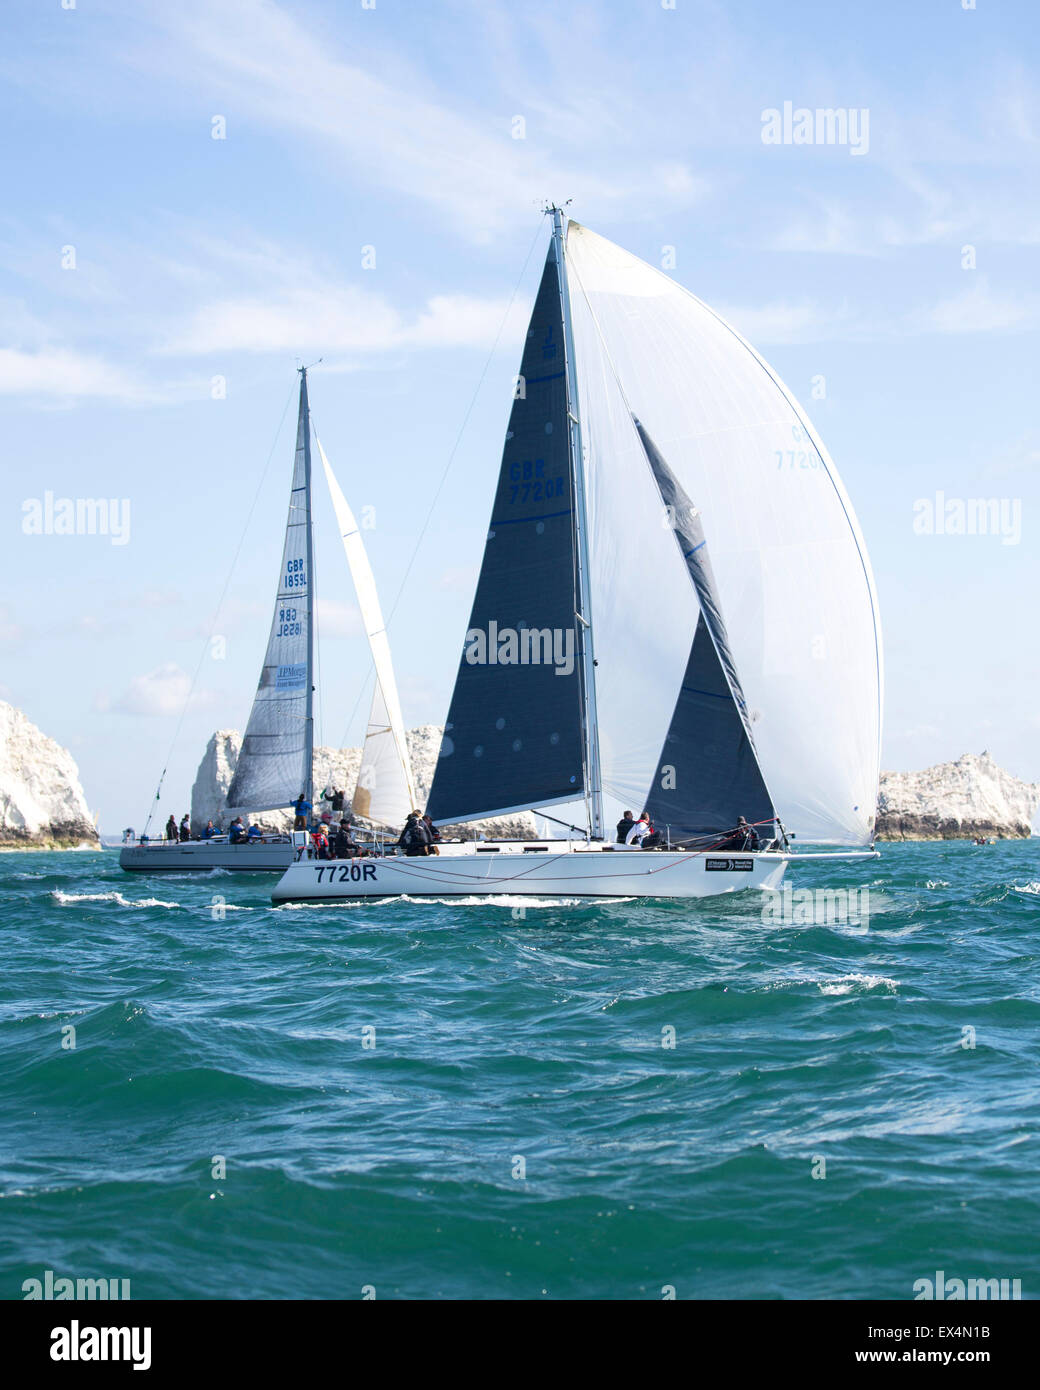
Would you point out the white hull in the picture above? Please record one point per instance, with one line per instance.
(559, 869)
(164, 856)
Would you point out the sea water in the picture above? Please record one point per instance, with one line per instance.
(213, 1098)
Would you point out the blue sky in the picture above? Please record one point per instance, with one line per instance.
(394, 128)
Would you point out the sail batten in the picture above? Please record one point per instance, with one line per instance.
(274, 764)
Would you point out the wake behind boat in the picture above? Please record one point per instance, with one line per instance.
(675, 611)
(277, 757)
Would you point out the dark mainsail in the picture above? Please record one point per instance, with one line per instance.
(708, 773)
(514, 736)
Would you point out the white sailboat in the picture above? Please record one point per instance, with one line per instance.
(675, 611)
(276, 762)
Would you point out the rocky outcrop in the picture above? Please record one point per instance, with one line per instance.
(335, 767)
(954, 801)
(42, 805)
(958, 800)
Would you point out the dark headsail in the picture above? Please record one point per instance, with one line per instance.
(708, 773)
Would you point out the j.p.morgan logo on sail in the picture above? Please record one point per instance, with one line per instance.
(525, 646)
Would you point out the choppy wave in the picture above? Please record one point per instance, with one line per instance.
(510, 900)
(666, 1070)
(70, 899)
(845, 984)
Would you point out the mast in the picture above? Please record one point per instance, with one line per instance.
(308, 726)
(582, 609)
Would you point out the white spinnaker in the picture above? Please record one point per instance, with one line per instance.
(643, 607)
(385, 790)
(790, 563)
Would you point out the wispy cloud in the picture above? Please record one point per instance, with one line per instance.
(338, 619)
(338, 318)
(61, 374)
(11, 629)
(163, 692)
(978, 309)
(388, 124)
(781, 323)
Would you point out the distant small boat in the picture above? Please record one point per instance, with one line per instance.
(675, 611)
(277, 757)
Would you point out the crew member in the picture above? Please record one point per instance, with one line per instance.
(415, 838)
(435, 834)
(640, 830)
(346, 846)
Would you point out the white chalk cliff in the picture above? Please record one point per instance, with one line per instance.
(333, 767)
(42, 805)
(972, 796)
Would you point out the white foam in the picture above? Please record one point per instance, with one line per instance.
(936, 883)
(501, 900)
(845, 984)
(1032, 887)
(510, 900)
(66, 899)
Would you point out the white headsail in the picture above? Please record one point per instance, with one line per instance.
(385, 790)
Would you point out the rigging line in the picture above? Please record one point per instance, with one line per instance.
(451, 455)
(220, 604)
(371, 661)
(465, 422)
